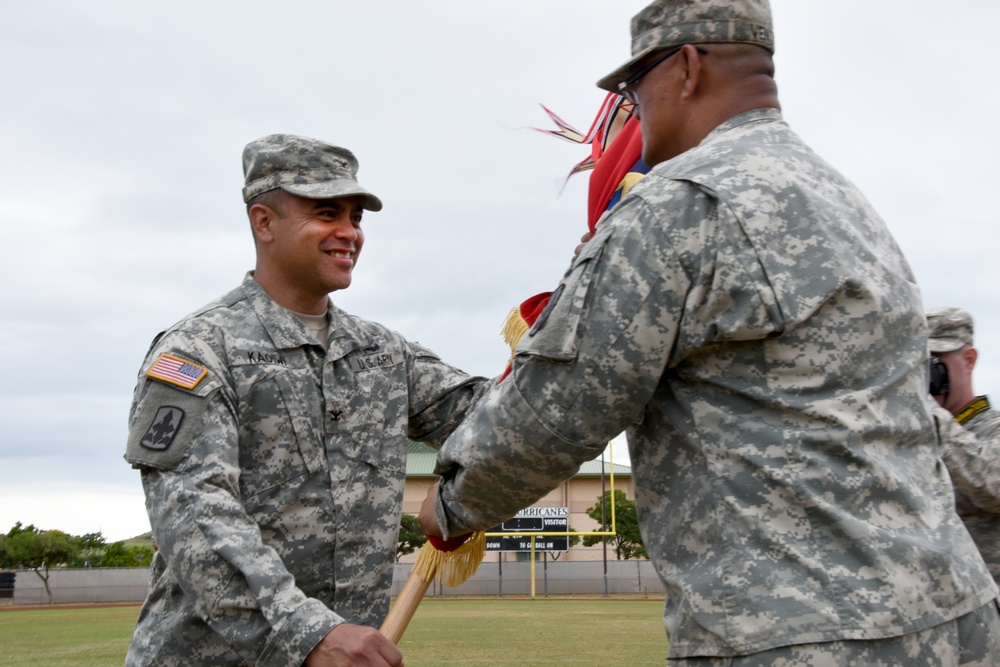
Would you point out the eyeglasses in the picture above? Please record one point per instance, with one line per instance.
(627, 88)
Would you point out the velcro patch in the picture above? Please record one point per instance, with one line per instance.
(176, 371)
(165, 425)
(544, 316)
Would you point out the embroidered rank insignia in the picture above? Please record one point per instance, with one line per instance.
(177, 371)
(165, 425)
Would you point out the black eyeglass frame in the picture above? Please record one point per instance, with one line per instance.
(627, 88)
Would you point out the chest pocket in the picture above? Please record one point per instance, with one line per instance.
(367, 407)
(280, 424)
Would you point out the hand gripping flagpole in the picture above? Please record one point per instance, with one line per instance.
(452, 561)
(616, 149)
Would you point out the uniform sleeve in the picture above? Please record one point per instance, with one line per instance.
(581, 375)
(212, 549)
(972, 461)
(440, 396)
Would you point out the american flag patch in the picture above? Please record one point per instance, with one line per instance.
(177, 371)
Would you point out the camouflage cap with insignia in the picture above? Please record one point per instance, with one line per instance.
(304, 167)
(669, 23)
(949, 329)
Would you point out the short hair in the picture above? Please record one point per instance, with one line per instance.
(273, 199)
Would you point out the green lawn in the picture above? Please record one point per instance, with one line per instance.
(54, 636)
(498, 632)
(509, 633)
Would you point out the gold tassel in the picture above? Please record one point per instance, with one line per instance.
(513, 327)
(452, 567)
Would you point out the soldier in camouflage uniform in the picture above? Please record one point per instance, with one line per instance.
(745, 315)
(271, 430)
(970, 440)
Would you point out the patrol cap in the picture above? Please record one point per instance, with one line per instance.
(302, 166)
(667, 23)
(949, 329)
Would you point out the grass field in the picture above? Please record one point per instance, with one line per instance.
(462, 632)
(55, 636)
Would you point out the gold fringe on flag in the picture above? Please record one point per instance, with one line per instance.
(513, 327)
(452, 567)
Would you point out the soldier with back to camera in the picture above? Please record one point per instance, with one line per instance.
(747, 318)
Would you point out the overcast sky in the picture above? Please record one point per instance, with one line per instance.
(122, 126)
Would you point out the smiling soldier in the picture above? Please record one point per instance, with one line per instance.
(270, 429)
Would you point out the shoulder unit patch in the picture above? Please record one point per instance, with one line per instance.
(165, 425)
(176, 371)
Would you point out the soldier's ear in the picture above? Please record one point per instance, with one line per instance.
(262, 218)
(971, 355)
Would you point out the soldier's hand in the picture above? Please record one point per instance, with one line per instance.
(583, 241)
(428, 513)
(350, 645)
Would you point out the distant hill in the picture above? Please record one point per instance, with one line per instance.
(143, 540)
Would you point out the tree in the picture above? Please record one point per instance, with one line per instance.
(40, 551)
(627, 539)
(18, 528)
(118, 554)
(411, 536)
(6, 557)
(92, 546)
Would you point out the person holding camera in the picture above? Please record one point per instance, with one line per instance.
(969, 429)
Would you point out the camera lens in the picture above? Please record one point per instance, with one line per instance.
(940, 384)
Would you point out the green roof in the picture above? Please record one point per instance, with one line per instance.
(420, 460)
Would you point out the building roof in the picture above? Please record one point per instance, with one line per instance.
(420, 460)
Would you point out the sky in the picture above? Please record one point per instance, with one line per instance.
(123, 123)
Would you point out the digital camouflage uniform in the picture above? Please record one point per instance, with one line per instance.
(970, 442)
(980, 418)
(973, 460)
(747, 317)
(981, 514)
(274, 484)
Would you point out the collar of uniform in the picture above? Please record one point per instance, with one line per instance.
(345, 334)
(287, 331)
(975, 406)
(752, 116)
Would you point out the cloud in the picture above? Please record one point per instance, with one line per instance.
(123, 126)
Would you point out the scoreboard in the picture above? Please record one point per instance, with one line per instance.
(517, 531)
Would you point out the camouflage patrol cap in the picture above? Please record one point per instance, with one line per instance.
(302, 166)
(949, 329)
(667, 23)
